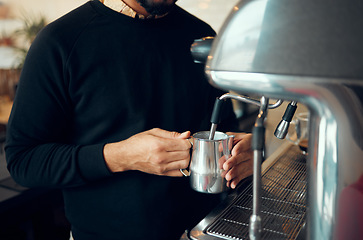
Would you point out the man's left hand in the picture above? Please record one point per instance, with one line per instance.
(240, 164)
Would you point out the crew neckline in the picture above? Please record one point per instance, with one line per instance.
(106, 11)
(121, 7)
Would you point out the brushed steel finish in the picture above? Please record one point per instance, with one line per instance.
(283, 202)
(205, 168)
(310, 52)
(291, 37)
(336, 135)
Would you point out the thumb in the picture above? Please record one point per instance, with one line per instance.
(184, 135)
(167, 134)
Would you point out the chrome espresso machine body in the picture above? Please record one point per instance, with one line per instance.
(311, 52)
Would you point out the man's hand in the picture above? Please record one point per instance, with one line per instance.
(155, 151)
(240, 164)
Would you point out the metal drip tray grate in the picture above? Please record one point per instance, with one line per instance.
(283, 204)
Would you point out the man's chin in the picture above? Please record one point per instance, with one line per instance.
(157, 8)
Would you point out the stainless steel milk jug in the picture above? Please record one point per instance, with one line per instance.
(207, 158)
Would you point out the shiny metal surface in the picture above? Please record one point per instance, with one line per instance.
(283, 126)
(336, 136)
(245, 99)
(258, 143)
(249, 100)
(310, 52)
(212, 131)
(281, 129)
(205, 167)
(283, 205)
(291, 37)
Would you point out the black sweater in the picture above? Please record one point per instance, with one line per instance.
(96, 76)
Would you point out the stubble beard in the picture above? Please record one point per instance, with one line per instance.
(160, 7)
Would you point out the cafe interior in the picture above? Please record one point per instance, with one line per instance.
(289, 69)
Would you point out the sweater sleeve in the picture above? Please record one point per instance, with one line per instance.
(39, 149)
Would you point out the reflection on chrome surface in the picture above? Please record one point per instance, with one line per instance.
(290, 50)
(336, 132)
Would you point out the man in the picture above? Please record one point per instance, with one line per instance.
(107, 98)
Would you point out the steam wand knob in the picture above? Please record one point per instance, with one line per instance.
(283, 127)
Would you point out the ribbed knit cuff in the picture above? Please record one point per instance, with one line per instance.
(91, 162)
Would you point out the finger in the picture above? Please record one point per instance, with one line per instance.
(238, 135)
(237, 159)
(170, 145)
(242, 145)
(233, 184)
(176, 156)
(239, 172)
(171, 167)
(174, 145)
(171, 141)
(221, 161)
(184, 135)
(223, 174)
(168, 134)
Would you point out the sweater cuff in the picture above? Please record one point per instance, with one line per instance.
(92, 163)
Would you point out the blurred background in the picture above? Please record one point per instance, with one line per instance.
(20, 20)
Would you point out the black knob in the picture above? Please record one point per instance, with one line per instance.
(200, 49)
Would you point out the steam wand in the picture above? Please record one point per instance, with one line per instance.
(216, 116)
(258, 144)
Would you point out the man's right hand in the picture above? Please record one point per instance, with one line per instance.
(155, 151)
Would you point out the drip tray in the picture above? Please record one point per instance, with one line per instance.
(283, 203)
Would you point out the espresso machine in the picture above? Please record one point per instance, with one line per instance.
(309, 52)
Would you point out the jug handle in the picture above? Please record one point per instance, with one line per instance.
(184, 171)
